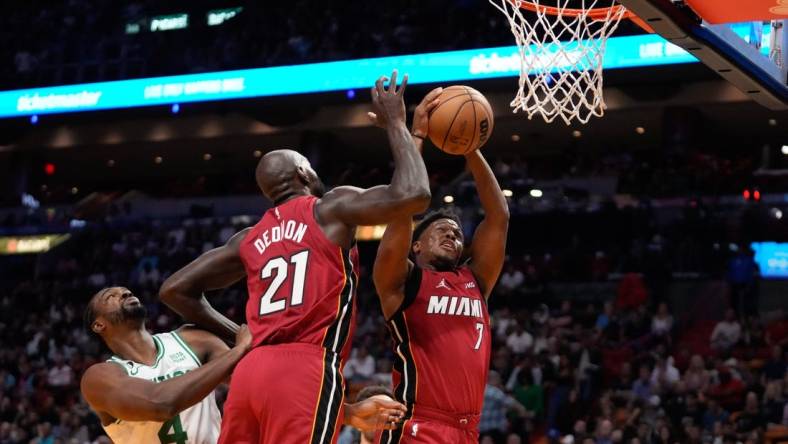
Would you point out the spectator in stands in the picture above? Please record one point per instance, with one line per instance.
(61, 374)
(622, 385)
(43, 434)
(662, 322)
(149, 277)
(587, 318)
(570, 411)
(775, 368)
(728, 392)
(511, 279)
(360, 366)
(777, 328)
(632, 292)
(726, 333)
(643, 388)
(606, 317)
(751, 418)
(696, 378)
(562, 318)
(529, 394)
(502, 319)
(665, 375)
(694, 409)
(604, 432)
(383, 372)
(753, 339)
(665, 436)
(774, 402)
(579, 432)
(714, 414)
(519, 340)
(743, 273)
(60, 377)
(493, 423)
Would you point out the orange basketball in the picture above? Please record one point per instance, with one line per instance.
(462, 122)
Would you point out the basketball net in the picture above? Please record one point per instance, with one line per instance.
(776, 41)
(561, 51)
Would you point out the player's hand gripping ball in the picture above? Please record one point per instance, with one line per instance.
(462, 122)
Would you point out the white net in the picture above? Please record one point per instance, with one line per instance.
(777, 41)
(561, 53)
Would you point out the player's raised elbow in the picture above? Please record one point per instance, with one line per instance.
(168, 293)
(500, 215)
(416, 200)
(505, 214)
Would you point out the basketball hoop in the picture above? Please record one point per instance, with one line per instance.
(561, 52)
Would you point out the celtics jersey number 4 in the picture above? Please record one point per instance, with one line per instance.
(199, 424)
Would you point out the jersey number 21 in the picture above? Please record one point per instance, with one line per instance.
(278, 270)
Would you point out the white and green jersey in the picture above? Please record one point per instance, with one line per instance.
(199, 424)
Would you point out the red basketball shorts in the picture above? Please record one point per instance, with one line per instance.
(285, 394)
(432, 426)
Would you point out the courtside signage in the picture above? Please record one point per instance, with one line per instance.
(440, 67)
(30, 244)
(772, 259)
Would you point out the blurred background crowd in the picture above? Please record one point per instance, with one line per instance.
(631, 308)
(590, 340)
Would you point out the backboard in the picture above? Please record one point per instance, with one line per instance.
(745, 42)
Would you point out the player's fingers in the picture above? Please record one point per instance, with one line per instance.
(379, 84)
(391, 422)
(393, 414)
(393, 82)
(432, 105)
(391, 405)
(401, 90)
(432, 95)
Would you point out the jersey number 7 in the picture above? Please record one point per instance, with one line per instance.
(278, 269)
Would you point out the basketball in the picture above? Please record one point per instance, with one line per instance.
(462, 122)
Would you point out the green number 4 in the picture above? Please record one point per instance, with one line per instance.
(172, 432)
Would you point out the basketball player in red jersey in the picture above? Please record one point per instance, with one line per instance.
(436, 307)
(301, 266)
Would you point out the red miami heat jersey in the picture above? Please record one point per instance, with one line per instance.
(442, 342)
(302, 287)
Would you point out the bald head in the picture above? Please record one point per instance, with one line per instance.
(282, 174)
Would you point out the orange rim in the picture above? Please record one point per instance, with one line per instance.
(594, 13)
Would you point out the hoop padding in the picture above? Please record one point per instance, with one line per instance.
(561, 53)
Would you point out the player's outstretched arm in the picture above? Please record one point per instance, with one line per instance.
(375, 413)
(184, 291)
(489, 241)
(409, 190)
(392, 265)
(109, 390)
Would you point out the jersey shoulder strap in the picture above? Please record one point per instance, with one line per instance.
(184, 346)
(124, 364)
